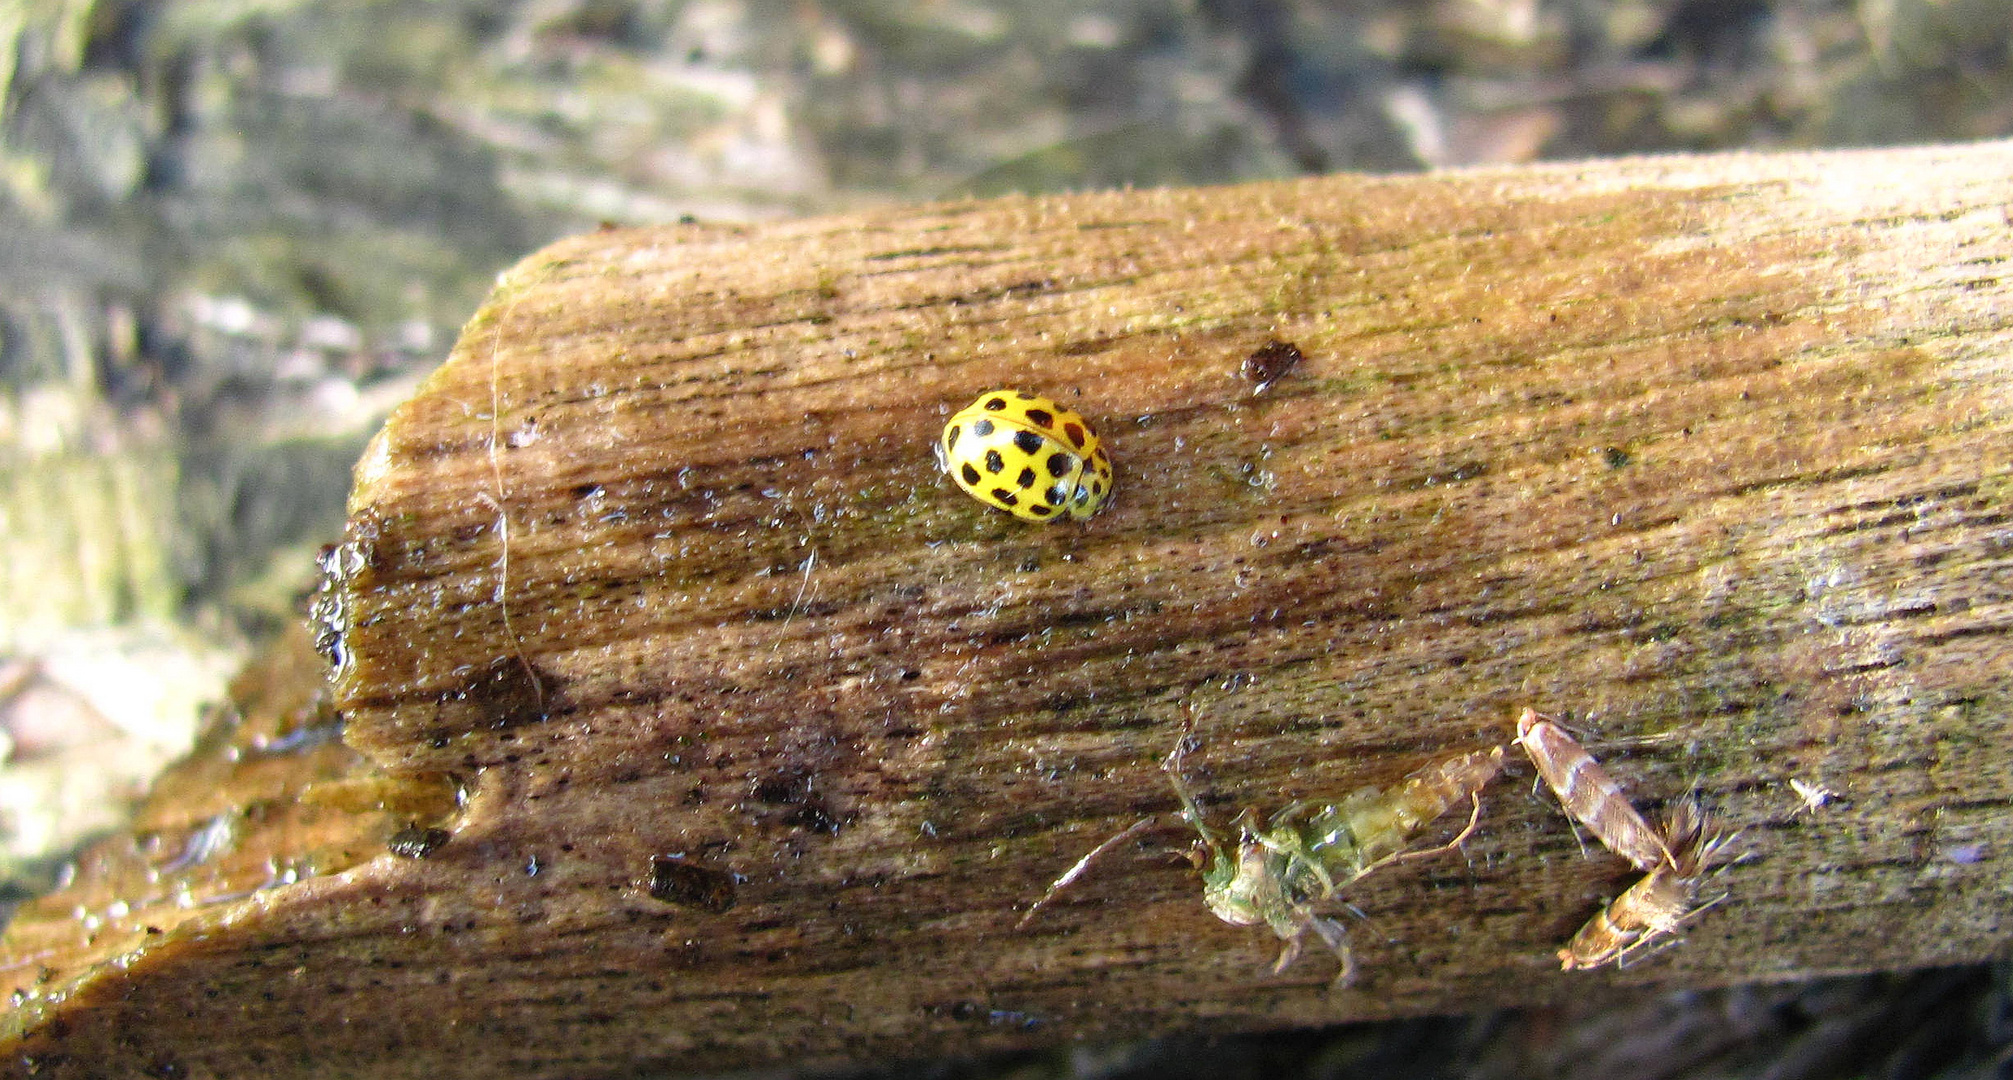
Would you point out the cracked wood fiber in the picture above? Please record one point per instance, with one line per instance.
(768, 734)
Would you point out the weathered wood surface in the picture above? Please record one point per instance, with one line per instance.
(1710, 456)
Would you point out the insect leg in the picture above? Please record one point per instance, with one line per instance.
(1468, 830)
(1334, 936)
(1191, 810)
(1069, 876)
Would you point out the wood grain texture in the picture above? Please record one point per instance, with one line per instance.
(1707, 456)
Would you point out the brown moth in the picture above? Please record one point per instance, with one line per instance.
(1590, 796)
(1656, 906)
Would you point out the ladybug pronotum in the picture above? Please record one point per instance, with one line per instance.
(1026, 455)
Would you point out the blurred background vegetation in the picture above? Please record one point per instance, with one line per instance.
(234, 233)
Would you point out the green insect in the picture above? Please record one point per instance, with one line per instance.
(1279, 871)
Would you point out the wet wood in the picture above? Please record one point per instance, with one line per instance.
(768, 735)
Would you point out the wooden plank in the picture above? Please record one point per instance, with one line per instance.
(1707, 456)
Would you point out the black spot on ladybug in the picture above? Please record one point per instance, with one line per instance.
(1040, 417)
(983, 428)
(1075, 434)
(1060, 463)
(1005, 497)
(951, 437)
(994, 405)
(1028, 442)
(994, 462)
(970, 474)
(1055, 495)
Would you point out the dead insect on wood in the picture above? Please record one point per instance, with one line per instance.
(1277, 872)
(1673, 859)
(1655, 907)
(1590, 796)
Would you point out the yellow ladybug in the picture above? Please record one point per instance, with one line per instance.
(1026, 455)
